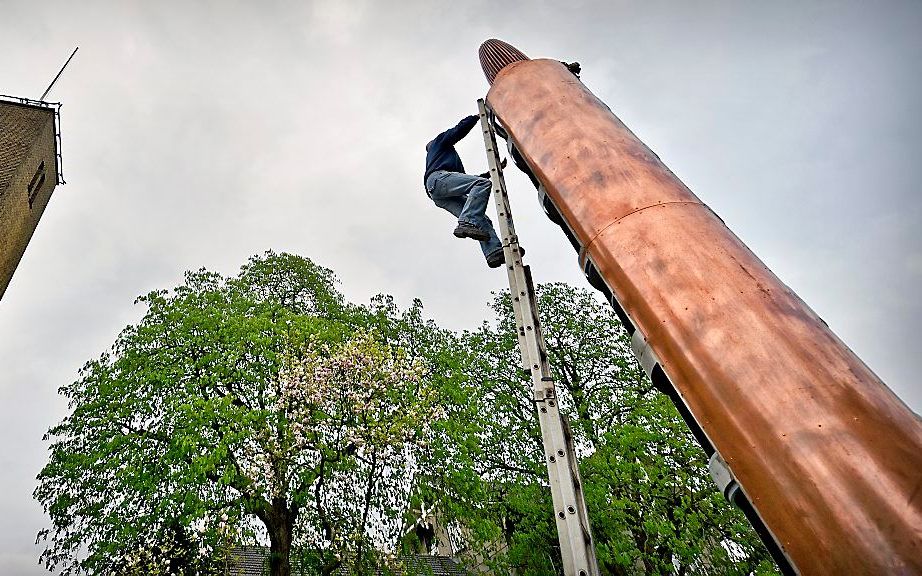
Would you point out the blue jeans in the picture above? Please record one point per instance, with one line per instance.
(466, 197)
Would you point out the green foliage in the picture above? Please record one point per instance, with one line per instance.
(652, 506)
(256, 406)
(264, 406)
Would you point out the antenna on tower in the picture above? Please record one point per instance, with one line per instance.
(47, 90)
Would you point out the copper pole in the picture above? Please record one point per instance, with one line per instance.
(829, 459)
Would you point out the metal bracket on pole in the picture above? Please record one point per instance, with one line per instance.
(573, 531)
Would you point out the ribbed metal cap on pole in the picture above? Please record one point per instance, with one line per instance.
(496, 55)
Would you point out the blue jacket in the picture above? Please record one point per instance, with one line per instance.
(440, 152)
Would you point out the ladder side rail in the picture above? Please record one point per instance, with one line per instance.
(569, 505)
(554, 449)
(517, 286)
(581, 509)
(580, 531)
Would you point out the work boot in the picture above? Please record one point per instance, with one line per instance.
(468, 230)
(497, 258)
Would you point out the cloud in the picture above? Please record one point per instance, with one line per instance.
(197, 134)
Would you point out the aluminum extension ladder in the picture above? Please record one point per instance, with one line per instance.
(573, 531)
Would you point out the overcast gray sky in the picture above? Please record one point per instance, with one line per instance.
(197, 134)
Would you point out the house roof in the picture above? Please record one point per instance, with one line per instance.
(254, 561)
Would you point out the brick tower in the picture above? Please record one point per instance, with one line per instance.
(29, 171)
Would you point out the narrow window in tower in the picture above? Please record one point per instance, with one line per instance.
(36, 184)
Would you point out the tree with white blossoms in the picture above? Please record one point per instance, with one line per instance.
(360, 414)
(257, 408)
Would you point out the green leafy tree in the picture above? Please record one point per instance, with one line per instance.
(652, 505)
(260, 407)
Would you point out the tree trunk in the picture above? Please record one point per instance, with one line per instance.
(280, 533)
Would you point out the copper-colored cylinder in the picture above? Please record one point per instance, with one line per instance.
(829, 457)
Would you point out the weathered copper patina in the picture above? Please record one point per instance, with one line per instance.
(828, 456)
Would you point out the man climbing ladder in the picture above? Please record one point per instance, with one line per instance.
(566, 489)
(464, 195)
